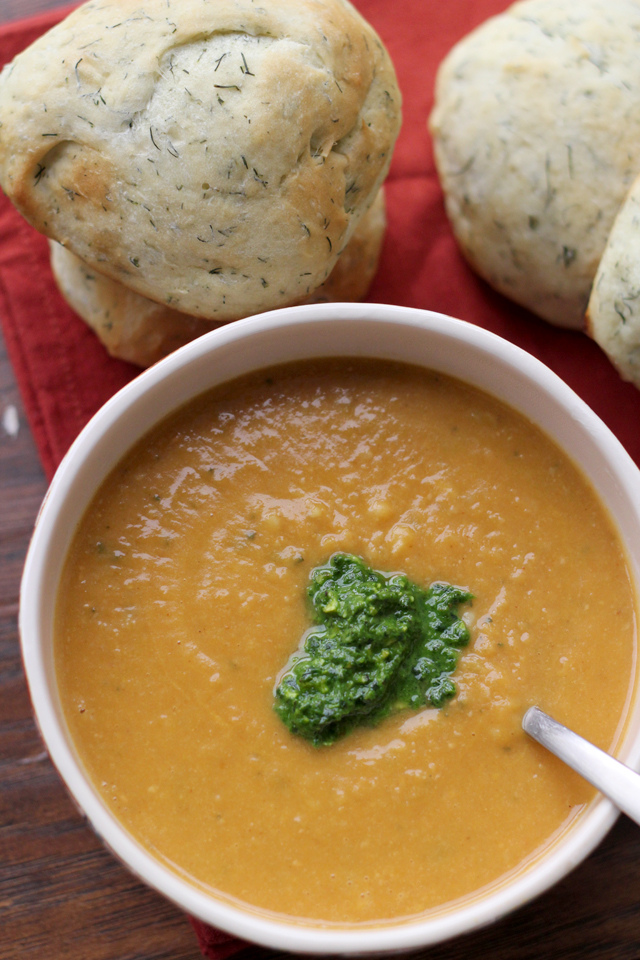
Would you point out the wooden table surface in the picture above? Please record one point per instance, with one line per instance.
(63, 897)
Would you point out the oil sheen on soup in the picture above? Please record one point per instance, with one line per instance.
(184, 595)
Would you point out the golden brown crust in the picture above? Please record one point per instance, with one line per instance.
(353, 274)
(130, 326)
(212, 157)
(138, 330)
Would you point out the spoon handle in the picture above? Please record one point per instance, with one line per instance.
(619, 783)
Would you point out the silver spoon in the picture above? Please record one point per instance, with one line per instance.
(619, 783)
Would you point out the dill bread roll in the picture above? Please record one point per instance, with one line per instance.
(613, 314)
(141, 331)
(536, 130)
(214, 157)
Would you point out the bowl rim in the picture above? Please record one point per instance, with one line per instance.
(556, 859)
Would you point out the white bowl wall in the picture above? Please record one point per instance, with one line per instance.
(418, 337)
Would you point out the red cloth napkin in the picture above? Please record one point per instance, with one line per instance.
(65, 375)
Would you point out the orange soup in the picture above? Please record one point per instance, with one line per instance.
(184, 595)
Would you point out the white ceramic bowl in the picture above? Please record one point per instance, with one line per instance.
(397, 333)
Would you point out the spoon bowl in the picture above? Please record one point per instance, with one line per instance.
(617, 782)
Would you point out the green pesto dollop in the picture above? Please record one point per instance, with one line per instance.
(380, 644)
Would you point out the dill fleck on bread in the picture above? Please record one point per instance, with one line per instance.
(536, 130)
(141, 331)
(215, 158)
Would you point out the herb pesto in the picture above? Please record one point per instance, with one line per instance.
(380, 644)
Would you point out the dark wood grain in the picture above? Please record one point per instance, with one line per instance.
(64, 897)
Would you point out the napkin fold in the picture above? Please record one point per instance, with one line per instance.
(65, 375)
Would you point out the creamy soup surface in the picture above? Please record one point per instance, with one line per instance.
(184, 594)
